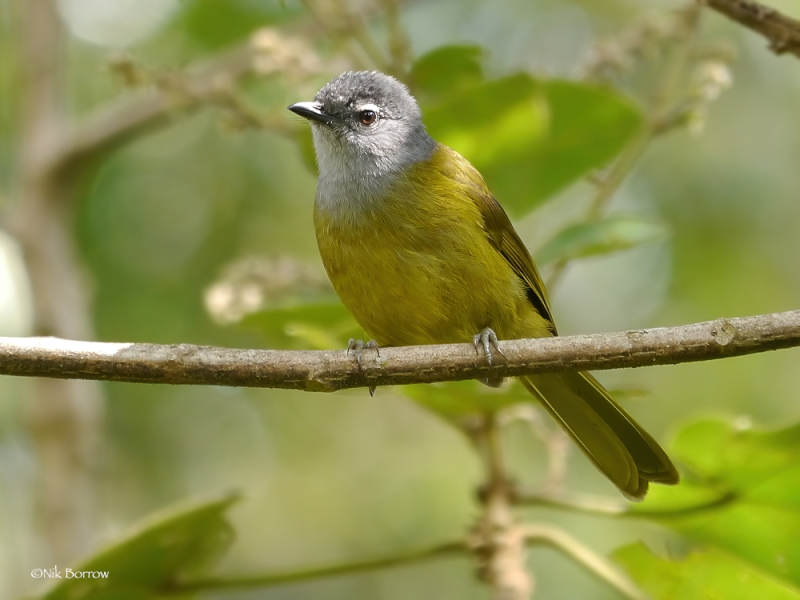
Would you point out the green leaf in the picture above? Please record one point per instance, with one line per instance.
(445, 70)
(618, 232)
(589, 126)
(756, 477)
(702, 575)
(160, 551)
(531, 138)
(324, 324)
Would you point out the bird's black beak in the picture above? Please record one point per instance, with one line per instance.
(313, 112)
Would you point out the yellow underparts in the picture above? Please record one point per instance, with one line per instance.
(417, 267)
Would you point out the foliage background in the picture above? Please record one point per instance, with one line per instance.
(332, 478)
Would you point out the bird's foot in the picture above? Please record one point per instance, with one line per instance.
(487, 339)
(356, 347)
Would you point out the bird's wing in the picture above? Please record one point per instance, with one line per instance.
(504, 238)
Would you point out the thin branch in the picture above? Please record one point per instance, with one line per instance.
(123, 119)
(218, 584)
(782, 31)
(584, 556)
(334, 370)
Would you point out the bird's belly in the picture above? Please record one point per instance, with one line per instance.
(398, 297)
(412, 288)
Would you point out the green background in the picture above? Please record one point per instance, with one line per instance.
(330, 478)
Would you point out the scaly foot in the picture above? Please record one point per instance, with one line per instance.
(487, 339)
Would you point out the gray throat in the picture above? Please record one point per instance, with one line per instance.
(352, 179)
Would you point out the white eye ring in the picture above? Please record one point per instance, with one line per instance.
(368, 114)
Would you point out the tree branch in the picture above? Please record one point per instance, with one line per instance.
(782, 32)
(334, 370)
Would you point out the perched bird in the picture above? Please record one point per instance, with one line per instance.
(420, 252)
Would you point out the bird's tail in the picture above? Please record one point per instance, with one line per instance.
(609, 436)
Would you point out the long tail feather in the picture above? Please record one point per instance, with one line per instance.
(609, 436)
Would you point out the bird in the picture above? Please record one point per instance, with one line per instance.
(420, 252)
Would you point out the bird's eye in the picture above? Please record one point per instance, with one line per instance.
(367, 117)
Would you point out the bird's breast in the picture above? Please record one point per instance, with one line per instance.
(415, 267)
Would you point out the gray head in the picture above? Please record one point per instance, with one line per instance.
(366, 126)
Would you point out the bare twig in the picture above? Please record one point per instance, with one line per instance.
(782, 31)
(334, 370)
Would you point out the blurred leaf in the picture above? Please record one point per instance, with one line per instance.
(589, 126)
(214, 23)
(323, 325)
(617, 232)
(498, 118)
(531, 138)
(445, 70)
(756, 477)
(706, 575)
(457, 400)
(161, 551)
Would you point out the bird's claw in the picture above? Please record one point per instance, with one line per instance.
(487, 339)
(356, 347)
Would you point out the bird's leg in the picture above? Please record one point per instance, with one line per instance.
(487, 339)
(357, 348)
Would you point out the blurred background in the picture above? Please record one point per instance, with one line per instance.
(153, 188)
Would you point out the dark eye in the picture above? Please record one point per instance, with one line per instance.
(367, 117)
